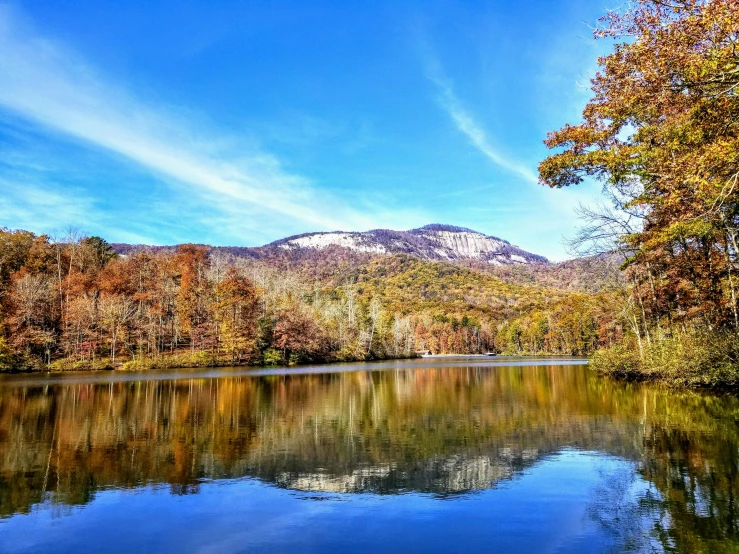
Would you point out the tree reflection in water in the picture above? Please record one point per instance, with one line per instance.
(442, 431)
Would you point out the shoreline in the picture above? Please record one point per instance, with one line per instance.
(128, 368)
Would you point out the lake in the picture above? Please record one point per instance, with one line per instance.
(428, 455)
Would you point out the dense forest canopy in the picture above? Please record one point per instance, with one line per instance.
(75, 304)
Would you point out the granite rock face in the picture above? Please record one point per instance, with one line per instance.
(432, 242)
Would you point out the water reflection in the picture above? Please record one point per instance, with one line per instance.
(445, 431)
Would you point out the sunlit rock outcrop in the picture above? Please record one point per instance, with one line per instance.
(432, 242)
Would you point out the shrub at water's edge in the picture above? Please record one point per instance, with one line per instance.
(691, 359)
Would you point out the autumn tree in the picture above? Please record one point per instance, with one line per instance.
(192, 264)
(236, 315)
(662, 134)
(297, 335)
(95, 253)
(31, 323)
(15, 247)
(116, 311)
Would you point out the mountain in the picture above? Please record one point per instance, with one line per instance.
(431, 242)
(306, 298)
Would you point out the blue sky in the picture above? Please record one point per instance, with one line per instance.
(238, 123)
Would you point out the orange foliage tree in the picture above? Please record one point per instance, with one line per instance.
(662, 133)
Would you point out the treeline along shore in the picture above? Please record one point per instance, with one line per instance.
(75, 304)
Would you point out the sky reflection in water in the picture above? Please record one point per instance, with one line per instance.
(425, 457)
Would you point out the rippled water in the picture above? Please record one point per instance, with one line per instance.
(458, 455)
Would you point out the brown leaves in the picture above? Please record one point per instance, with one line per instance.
(672, 85)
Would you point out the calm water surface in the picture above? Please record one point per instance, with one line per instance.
(457, 455)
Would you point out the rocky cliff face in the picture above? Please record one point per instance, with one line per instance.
(432, 242)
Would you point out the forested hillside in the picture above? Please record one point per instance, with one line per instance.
(77, 304)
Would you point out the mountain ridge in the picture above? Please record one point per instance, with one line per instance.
(435, 241)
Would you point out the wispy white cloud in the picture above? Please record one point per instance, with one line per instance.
(47, 83)
(466, 123)
(51, 206)
(558, 205)
(43, 209)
